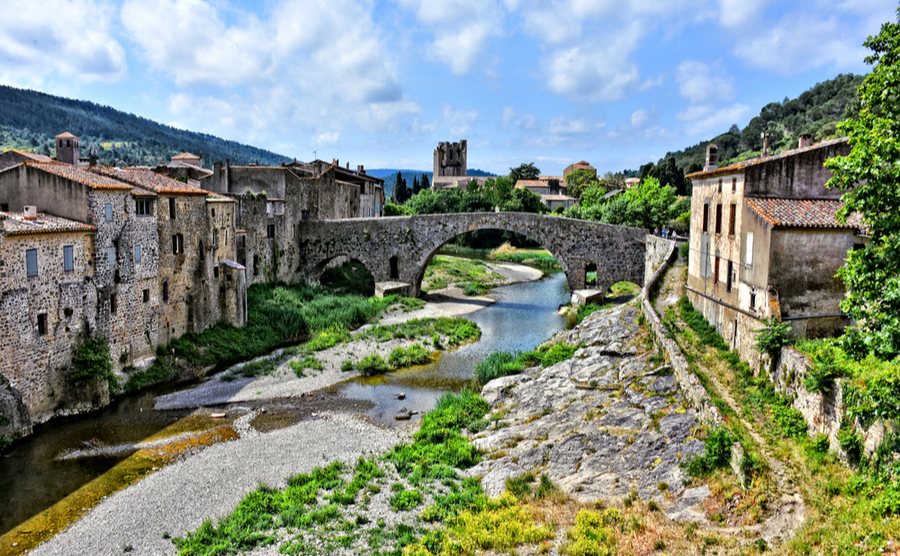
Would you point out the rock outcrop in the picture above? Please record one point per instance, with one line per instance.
(602, 424)
(15, 421)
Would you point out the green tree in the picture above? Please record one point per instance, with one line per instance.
(523, 200)
(416, 187)
(578, 182)
(400, 193)
(593, 195)
(499, 190)
(646, 205)
(524, 172)
(870, 177)
(425, 183)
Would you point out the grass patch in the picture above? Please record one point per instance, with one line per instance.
(415, 354)
(475, 277)
(501, 363)
(455, 330)
(278, 313)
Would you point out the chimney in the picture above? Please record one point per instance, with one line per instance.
(201, 159)
(805, 140)
(765, 150)
(360, 169)
(348, 164)
(30, 212)
(712, 158)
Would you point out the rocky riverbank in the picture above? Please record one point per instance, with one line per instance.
(605, 424)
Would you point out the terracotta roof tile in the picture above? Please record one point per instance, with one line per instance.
(66, 135)
(802, 213)
(15, 224)
(90, 179)
(186, 156)
(531, 183)
(149, 179)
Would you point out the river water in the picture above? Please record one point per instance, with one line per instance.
(32, 479)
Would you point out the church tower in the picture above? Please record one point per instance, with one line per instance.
(67, 148)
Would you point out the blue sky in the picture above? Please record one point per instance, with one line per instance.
(615, 82)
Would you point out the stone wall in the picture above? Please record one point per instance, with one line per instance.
(617, 251)
(34, 363)
(694, 392)
(658, 249)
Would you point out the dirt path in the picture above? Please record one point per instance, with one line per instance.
(789, 511)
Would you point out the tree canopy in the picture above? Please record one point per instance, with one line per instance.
(524, 172)
(870, 177)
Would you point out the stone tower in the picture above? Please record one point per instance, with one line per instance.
(67, 148)
(450, 159)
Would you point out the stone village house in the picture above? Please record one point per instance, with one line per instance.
(765, 243)
(143, 258)
(142, 269)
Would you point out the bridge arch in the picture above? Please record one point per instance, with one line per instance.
(422, 263)
(402, 246)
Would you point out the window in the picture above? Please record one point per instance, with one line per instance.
(270, 231)
(112, 303)
(137, 253)
(395, 270)
(256, 265)
(171, 208)
(68, 312)
(304, 215)
(215, 242)
(146, 295)
(108, 212)
(719, 218)
(42, 324)
(732, 217)
(216, 271)
(4, 207)
(753, 300)
(201, 255)
(68, 258)
(269, 209)
(111, 256)
(165, 291)
(143, 207)
(733, 185)
(720, 185)
(213, 213)
(748, 257)
(177, 244)
(705, 217)
(728, 277)
(716, 269)
(31, 264)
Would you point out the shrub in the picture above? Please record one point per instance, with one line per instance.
(471, 290)
(90, 360)
(594, 534)
(717, 453)
(823, 372)
(372, 364)
(557, 353)
(774, 336)
(496, 365)
(684, 250)
(406, 500)
(415, 354)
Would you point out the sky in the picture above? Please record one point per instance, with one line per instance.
(617, 83)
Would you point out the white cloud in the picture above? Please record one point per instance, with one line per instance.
(308, 67)
(458, 121)
(736, 13)
(708, 119)
(639, 118)
(512, 118)
(594, 71)
(805, 39)
(73, 38)
(328, 139)
(463, 29)
(698, 84)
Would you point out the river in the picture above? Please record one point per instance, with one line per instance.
(32, 478)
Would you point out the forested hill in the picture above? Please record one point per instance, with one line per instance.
(816, 112)
(29, 120)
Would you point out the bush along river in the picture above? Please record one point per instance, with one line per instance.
(70, 464)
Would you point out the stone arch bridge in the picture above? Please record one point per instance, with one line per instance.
(399, 248)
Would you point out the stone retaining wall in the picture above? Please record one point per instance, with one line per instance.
(691, 389)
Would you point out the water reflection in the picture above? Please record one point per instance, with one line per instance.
(522, 318)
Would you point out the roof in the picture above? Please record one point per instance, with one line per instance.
(754, 161)
(15, 224)
(531, 183)
(32, 156)
(802, 213)
(557, 198)
(148, 179)
(186, 156)
(90, 179)
(66, 135)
